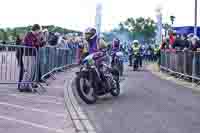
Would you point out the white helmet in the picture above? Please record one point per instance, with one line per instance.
(136, 41)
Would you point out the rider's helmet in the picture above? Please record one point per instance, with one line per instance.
(102, 44)
(90, 33)
(135, 42)
(116, 43)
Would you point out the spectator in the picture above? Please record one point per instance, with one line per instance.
(33, 40)
(172, 36)
(165, 44)
(195, 47)
(177, 44)
(185, 42)
(43, 38)
(52, 39)
(61, 42)
(19, 56)
(195, 44)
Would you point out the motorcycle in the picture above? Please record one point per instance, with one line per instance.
(118, 62)
(96, 78)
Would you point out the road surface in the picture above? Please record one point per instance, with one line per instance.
(34, 113)
(147, 105)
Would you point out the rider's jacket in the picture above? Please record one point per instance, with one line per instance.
(136, 49)
(96, 44)
(93, 45)
(85, 48)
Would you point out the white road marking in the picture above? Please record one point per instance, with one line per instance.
(5, 91)
(32, 109)
(32, 124)
(37, 99)
(42, 96)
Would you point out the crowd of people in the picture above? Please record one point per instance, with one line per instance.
(34, 42)
(181, 42)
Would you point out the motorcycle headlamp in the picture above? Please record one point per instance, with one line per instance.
(88, 63)
(91, 62)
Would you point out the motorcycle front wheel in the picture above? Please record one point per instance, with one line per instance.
(85, 90)
(121, 68)
(115, 91)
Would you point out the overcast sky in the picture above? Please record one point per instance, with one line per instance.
(79, 14)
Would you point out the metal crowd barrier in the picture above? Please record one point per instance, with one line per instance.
(17, 61)
(55, 59)
(18, 65)
(182, 63)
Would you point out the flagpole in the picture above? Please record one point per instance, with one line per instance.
(195, 18)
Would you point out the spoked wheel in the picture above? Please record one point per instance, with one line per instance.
(85, 90)
(121, 69)
(115, 85)
(116, 90)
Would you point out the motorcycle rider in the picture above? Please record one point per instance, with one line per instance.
(115, 48)
(136, 48)
(116, 45)
(130, 54)
(156, 52)
(96, 45)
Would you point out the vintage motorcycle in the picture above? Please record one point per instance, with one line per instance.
(96, 78)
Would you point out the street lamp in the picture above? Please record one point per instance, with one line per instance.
(195, 18)
(195, 32)
(98, 17)
(159, 24)
(172, 18)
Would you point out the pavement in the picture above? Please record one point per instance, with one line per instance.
(36, 113)
(147, 104)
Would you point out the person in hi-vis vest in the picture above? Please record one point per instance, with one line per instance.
(137, 51)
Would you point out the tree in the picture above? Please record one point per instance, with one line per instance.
(14, 33)
(7, 33)
(4, 35)
(121, 27)
(140, 28)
